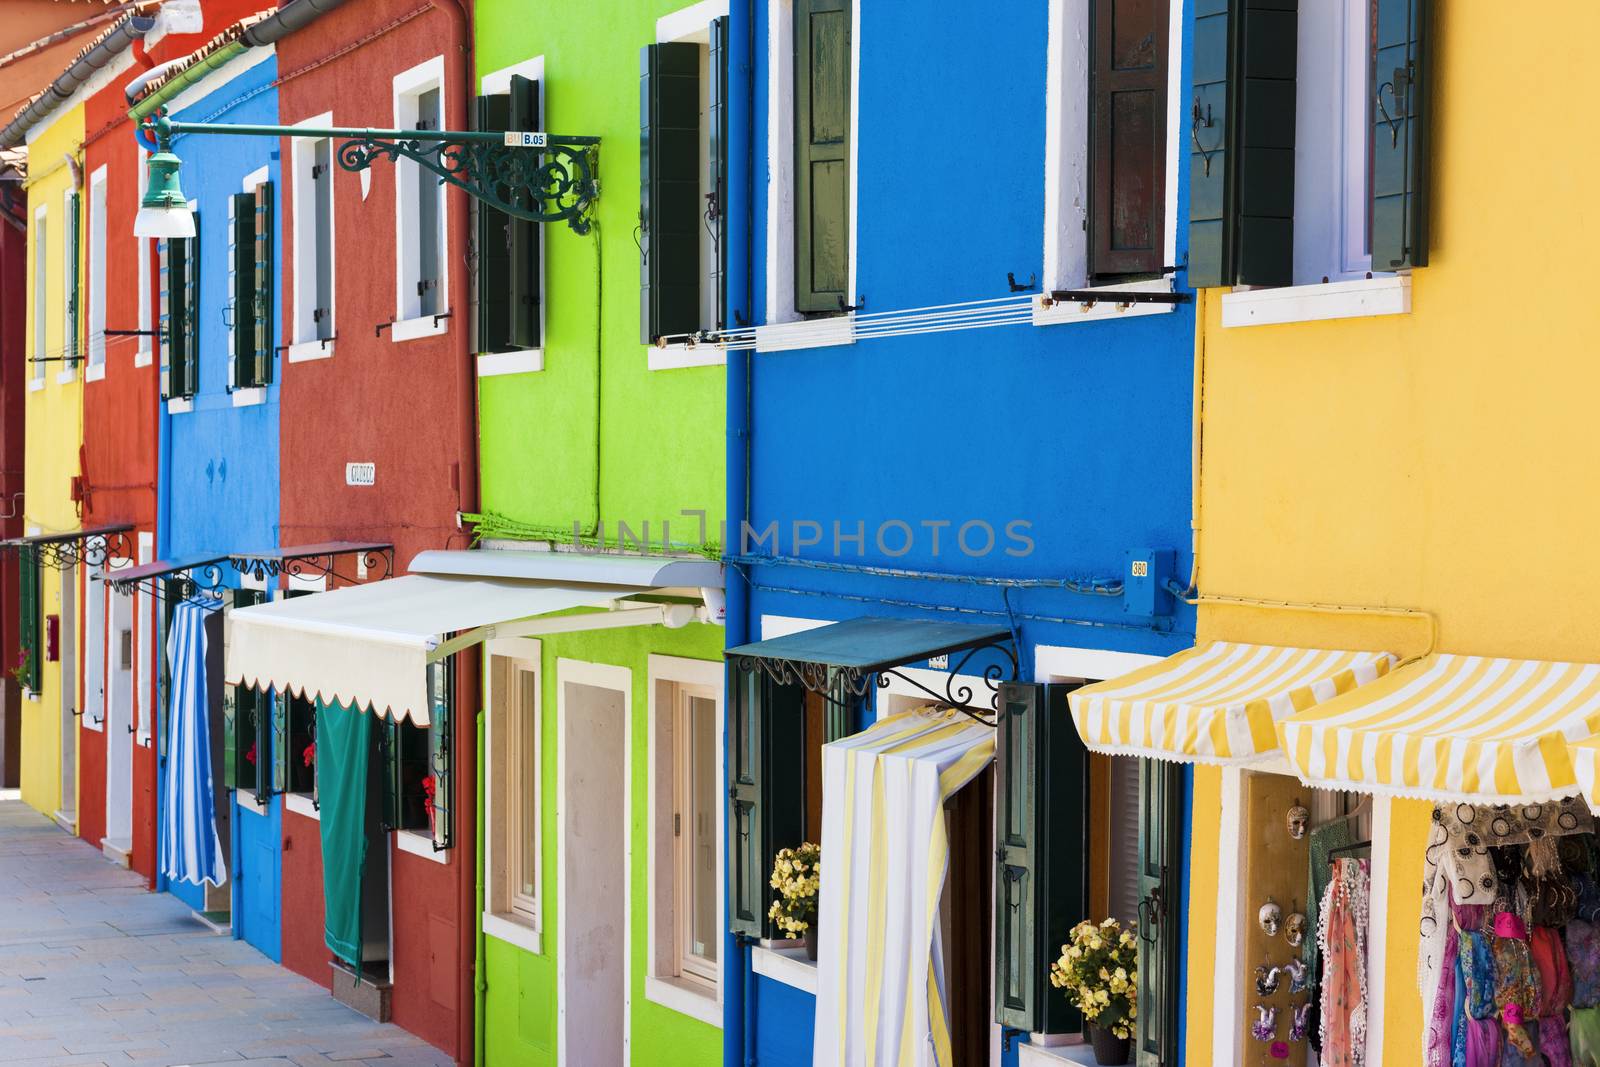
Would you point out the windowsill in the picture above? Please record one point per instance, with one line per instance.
(90, 724)
(680, 356)
(1069, 311)
(142, 740)
(302, 804)
(419, 844)
(492, 364)
(786, 965)
(806, 333)
(250, 396)
(513, 932)
(422, 326)
(35, 384)
(685, 998)
(144, 359)
(305, 351)
(249, 803)
(63, 377)
(1079, 1051)
(180, 404)
(1388, 294)
(95, 372)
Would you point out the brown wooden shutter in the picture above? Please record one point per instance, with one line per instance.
(1128, 123)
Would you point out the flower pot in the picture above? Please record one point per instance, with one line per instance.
(1109, 1049)
(811, 942)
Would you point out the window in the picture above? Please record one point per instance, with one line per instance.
(513, 753)
(685, 827)
(142, 248)
(1338, 184)
(822, 120)
(510, 282)
(313, 241)
(417, 778)
(683, 178)
(419, 208)
(41, 294)
(97, 273)
(248, 719)
(28, 609)
(180, 313)
(250, 269)
(72, 306)
(144, 608)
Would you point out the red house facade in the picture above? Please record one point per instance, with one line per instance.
(376, 318)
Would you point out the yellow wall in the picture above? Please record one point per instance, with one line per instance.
(1442, 460)
(54, 431)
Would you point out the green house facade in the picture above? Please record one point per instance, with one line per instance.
(602, 430)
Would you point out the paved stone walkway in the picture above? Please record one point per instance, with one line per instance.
(95, 970)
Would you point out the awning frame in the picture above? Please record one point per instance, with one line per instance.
(65, 550)
(312, 562)
(615, 618)
(829, 680)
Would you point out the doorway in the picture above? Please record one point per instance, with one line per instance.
(67, 684)
(118, 668)
(592, 753)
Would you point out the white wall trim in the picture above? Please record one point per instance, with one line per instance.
(420, 844)
(1054, 662)
(786, 965)
(421, 326)
(681, 356)
(179, 404)
(250, 396)
(302, 228)
(302, 804)
(512, 932)
(524, 361)
(1386, 294)
(682, 998)
(306, 351)
(689, 20)
(410, 83)
(1066, 312)
(246, 801)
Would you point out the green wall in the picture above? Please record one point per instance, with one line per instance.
(661, 437)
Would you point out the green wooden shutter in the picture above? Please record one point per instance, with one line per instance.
(429, 117)
(766, 794)
(669, 190)
(389, 760)
(259, 773)
(1400, 143)
(822, 154)
(717, 115)
(1267, 52)
(28, 611)
(1210, 222)
(322, 189)
(441, 727)
(281, 749)
(74, 252)
(1041, 838)
(1160, 871)
(262, 297)
(241, 286)
(522, 236)
(494, 246)
(184, 371)
(230, 736)
(167, 255)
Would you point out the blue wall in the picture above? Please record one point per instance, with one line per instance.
(219, 462)
(1083, 430)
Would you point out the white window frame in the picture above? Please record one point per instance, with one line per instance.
(243, 396)
(304, 343)
(1067, 179)
(145, 354)
(41, 296)
(96, 655)
(522, 360)
(668, 981)
(69, 332)
(509, 917)
(144, 608)
(409, 322)
(785, 329)
(95, 290)
(692, 25)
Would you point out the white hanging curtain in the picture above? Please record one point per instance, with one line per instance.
(885, 852)
(191, 851)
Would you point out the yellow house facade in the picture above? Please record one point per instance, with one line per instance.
(54, 431)
(1400, 463)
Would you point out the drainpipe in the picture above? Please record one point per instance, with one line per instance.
(738, 994)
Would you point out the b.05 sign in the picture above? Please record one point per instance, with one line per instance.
(526, 139)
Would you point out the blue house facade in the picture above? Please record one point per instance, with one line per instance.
(219, 480)
(960, 423)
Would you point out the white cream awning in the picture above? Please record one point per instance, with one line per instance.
(370, 645)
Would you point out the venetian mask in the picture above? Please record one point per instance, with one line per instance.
(1270, 917)
(1299, 819)
(1299, 974)
(1265, 1028)
(1267, 980)
(1300, 1023)
(1294, 929)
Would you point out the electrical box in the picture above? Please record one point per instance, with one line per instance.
(1146, 575)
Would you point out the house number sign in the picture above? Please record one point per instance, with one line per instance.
(526, 139)
(360, 473)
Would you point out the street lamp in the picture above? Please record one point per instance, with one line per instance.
(164, 211)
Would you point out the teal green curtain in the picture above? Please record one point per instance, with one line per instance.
(344, 739)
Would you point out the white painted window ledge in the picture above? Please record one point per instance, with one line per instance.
(679, 356)
(523, 361)
(249, 397)
(680, 996)
(1363, 298)
(302, 804)
(420, 844)
(35, 384)
(95, 372)
(144, 359)
(1062, 312)
(305, 351)
(180, 404)
(248, 802)
(1042, 1055)
(786, 965)
(66, 376)
(806, 333)
(422, 326)
(512, 932)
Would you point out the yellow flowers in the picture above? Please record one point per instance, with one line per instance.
(1099, 971)
(796, 875)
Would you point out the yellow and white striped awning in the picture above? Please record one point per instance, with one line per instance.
(1452, 727)
(1216, 703)
(1586, 765)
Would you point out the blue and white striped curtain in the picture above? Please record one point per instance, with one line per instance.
(881, 992)
(191, 851)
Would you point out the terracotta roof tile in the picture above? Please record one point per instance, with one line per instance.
(210, 48)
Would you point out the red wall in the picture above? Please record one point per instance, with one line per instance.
(407, 407)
